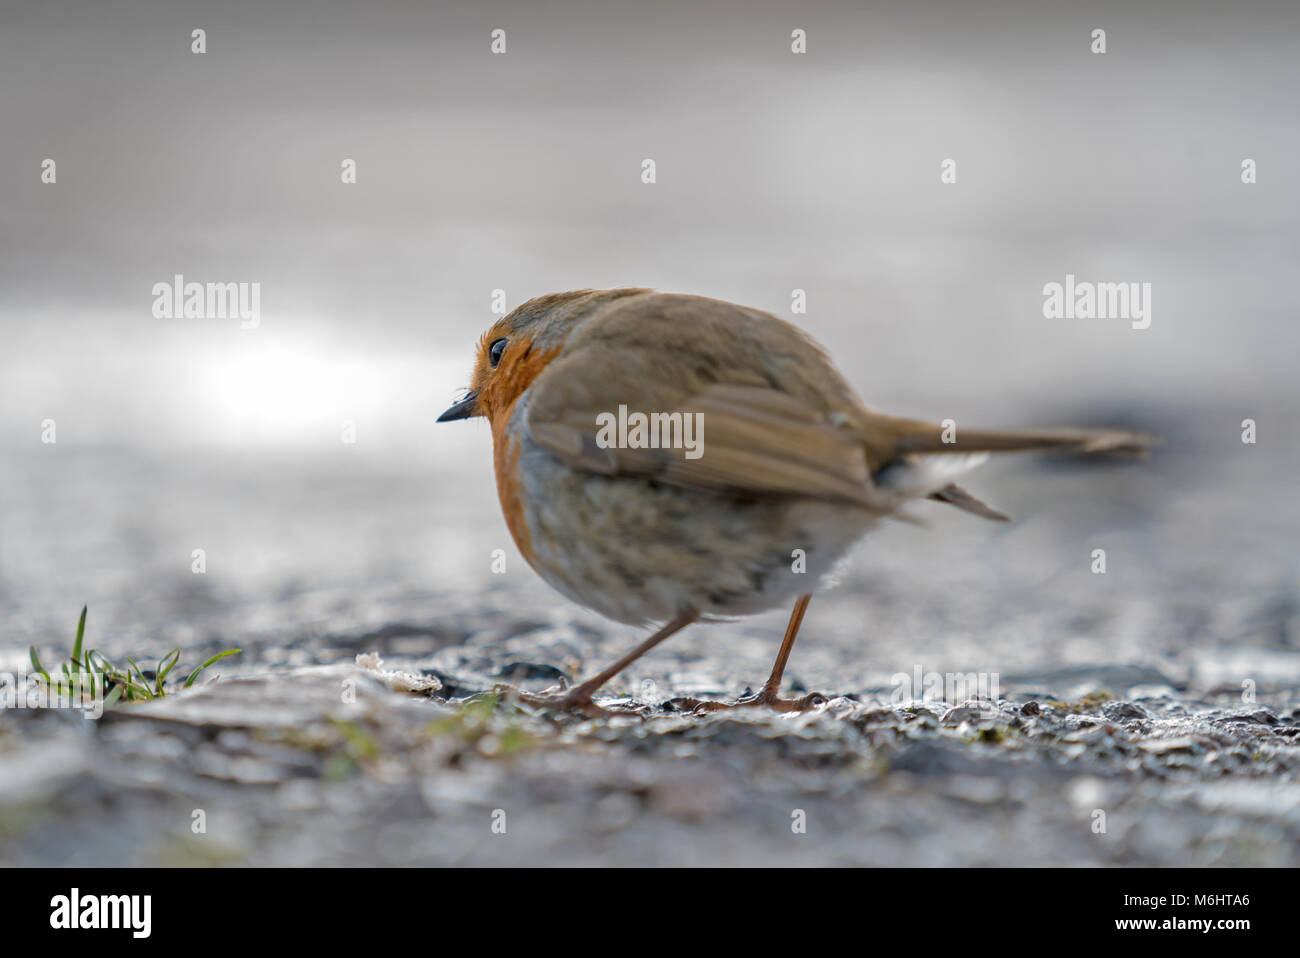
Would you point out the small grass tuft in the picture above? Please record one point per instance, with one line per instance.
(128, 684)
(1088, 703)
(356, 748)
(476, 723)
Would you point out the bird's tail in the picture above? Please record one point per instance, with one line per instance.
(902, 453)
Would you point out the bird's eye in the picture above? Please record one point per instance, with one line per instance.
(495, 350)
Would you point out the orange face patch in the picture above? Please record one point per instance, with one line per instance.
(499, 389)
(520, 365)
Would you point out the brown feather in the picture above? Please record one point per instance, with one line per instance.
(889, 437)
(957, 496)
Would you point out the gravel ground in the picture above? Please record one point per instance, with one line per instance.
(1148, 716)
(286, 773)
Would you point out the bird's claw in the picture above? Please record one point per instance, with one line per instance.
(769, 699)
(576, 699)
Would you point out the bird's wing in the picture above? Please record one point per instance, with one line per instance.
(750, 440)
(755, 437)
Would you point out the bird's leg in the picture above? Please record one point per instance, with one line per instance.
(773, 684)
(579, 698)
(768, 696)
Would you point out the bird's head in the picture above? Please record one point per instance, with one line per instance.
(516, 348)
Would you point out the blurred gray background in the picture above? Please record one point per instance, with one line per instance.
(522, 172)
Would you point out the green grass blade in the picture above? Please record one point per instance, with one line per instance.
(113, 696)
(216, 658)
(81, 633)
(165, 665)
(36, 664)
(143, 684)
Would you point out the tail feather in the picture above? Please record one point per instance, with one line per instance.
(889, 438)
(917, 459)
(957, 496)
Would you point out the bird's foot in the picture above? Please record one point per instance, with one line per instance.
(767, 698)
(577, 699)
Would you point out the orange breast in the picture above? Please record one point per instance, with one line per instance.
(522, 364)
(510, 486)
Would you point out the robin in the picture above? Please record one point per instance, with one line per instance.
(675, 459)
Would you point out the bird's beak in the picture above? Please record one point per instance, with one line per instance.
(461, 410)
